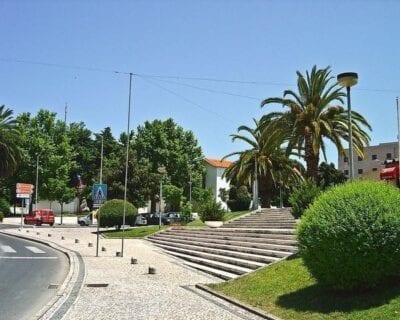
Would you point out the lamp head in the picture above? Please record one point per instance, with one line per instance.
(347, 79)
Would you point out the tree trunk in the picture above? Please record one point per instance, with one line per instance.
(312, 160)
(266, 187)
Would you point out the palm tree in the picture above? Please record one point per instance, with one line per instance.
(312, 117)
(273, 165)
(9, 138)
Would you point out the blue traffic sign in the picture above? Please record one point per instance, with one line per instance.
(99, 193)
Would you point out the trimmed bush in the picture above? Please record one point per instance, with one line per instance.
(302, 197)
(4, 207)
(350, 237)
(239, 198)
(111, 213)
(211, 211)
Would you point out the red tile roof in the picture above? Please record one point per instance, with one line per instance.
(218, 163)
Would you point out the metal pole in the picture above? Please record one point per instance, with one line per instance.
(255, 185)
(98, 211)
(37, 181)
(190, 193)
(351, 160)
(126, 164)
(398, 137)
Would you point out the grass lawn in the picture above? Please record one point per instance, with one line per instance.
(139, 232)
(228, 216)
(288, 291)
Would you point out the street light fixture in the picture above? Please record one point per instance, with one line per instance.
(162, 171)
(347, 80)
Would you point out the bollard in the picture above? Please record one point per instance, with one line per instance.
(118, 254)
(152, 270)
(90, 244)
(76, 240)
(27, 231)
(62, 238)
(19, 229)
(37, 233)
(103, 249)
(49, 235)
(133, 261)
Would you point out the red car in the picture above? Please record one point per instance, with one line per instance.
(40, 216)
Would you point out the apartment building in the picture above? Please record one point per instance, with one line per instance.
(373, 161)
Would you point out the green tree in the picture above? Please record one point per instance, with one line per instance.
(164, 143)
(265, 152)
(329, 176)
(173, 197)
(313, 117)
(9, 143)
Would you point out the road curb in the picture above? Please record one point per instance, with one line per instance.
(238, 303)
(65, 290)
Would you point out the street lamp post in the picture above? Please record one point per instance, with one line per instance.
(37, 180)
(162, 171)
(255, 184)
(101, 181)
(347, 80)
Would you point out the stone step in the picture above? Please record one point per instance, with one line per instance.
(207, 260)
(253, 254)
(214, 272)
(248, 240)
(268, 245)
(290, 224)
(250, 232)
(240, 226)
(265, 257)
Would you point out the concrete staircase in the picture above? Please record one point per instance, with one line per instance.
(238, 247)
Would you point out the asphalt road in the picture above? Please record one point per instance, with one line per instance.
(26, 270)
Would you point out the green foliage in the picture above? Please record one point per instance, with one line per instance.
(211, 211)
(173, 197)
(4, 206)
(223, 194)
(186, 211)
(329, 176)
(239, 198)
(200, 196)
(303, 196)
(111, 213)
(350, 236)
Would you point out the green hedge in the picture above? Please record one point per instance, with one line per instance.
(302, 197)
(350, 236)
(239, 198)
(111, 213)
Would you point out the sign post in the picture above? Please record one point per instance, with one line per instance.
(99, 193)
(23, 191)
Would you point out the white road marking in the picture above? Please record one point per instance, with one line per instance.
(34, 249)
(29, 258)
(7, 249)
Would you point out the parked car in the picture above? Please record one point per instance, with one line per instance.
(141, 220)
(39, 217)
(85, 220)
(171, 217)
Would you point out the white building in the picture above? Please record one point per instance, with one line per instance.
(214, 170)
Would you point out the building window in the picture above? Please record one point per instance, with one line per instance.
(346, 172)
(346, 159)
(374, 157)
(359, 158)
(360, 171)
(388, 156)
(374, 169)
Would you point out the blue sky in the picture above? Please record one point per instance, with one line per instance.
(259, 42)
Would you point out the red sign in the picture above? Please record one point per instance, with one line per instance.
(24, 188)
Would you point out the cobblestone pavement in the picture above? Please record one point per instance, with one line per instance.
(132, 293)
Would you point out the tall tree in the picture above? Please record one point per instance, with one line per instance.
(10, 153)
(273, 166)
(313, 117)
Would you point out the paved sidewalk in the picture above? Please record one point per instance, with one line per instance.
(132, 293)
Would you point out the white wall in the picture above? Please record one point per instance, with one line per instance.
(215, 181)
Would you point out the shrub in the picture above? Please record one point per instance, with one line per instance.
(350, 237)
(1, 216)
(4, 207)
(200, 196)
(186, 212)
(239, 198)
(111, 213)
(211, 211)
(302, 197)
(173, 197)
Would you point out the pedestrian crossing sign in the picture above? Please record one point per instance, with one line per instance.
(99, 193)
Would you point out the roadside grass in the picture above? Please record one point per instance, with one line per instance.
(228, 216)
(138, 232)
(287, 290)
